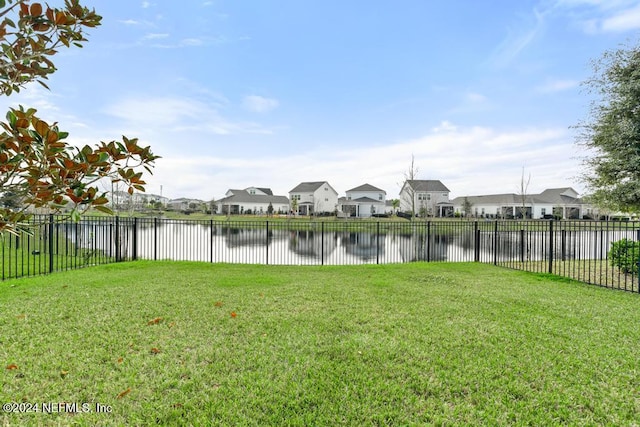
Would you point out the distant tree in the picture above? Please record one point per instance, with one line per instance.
(611, 132)
(36, 162)
(522, 193)
(213, 207)
(466, 207)
(395, 204)
(409, 196)
(270, 209)
(294, 205)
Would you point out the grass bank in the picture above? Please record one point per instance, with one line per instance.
(414, 344)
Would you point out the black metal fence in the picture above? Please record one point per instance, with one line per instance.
(575, 249)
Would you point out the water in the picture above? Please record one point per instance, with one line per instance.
(257, 245)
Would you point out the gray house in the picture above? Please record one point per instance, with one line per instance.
(425, 197)
(551, 203)
(253, 199)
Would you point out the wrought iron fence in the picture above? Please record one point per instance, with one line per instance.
(574, 249)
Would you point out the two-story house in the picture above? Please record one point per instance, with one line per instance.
(425, 198)
(313, 198)
(364, 201)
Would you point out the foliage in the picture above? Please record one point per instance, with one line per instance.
(37, 165)
(625, 254)
(466, 207)
(612, 131)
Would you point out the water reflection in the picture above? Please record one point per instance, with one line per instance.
(223, 243)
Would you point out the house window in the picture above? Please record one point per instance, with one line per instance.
(543, 211)
(326, 189)
(348, 197)
(379, 196)
(295, 197)
(326, 200)
(428, 196)
(482, 211)
(252, 192)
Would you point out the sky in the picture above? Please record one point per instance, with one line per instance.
(266, 93)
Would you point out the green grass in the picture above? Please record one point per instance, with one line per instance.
(413, 344)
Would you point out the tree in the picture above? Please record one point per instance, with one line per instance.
(466, 207)
(524, 188)
(37, 164)
(294, 205)
(270, 209)
(611, 132)
(395, 204)
(409, 195)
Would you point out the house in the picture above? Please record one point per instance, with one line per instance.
(364, 201)
(185, 205)
(314, 198)
(425, 198)
(122, 200)
(551, 203)
(252, 200)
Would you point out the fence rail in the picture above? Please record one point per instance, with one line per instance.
(574, 249)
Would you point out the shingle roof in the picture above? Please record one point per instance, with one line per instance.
(307, 187)
(242, 196)
(427, 185)
(367, 187)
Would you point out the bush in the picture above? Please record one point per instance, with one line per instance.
(624, 254)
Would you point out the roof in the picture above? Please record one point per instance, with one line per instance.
(366, 200)
(308, 187)
(556, 196)
(242, 196)
(367, 187)
(426, 185)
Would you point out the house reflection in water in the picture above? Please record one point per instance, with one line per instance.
(365, 246)
(311, 244)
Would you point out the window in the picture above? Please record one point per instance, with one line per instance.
(379, 196)
(428, 196)
(543, 211)
(252, 191)
(295, 197)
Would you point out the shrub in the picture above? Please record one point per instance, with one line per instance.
(624, 254)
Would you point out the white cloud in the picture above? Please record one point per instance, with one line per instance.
(146, 4)
(129, 22)
(624, 20)
(155, 36)
(259, 104)
(469, 161)
(552, 86)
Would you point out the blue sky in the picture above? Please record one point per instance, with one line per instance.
(263, 93)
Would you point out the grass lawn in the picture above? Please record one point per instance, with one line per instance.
(173, 343)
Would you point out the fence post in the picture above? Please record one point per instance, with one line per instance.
(211, 240)
(267, 240)
(476, 244)
(550, 246)
(117, 231)
(155, 238)
(134, 250)
(378, 242)
(50, 236)
(522, 245)
(428, 241)
(322, 243)
(495, 243)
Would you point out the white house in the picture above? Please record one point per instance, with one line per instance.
(314, 197)
(425, 198)
(364, 201)
(551, 203)
(185, 204)
(255, 200)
